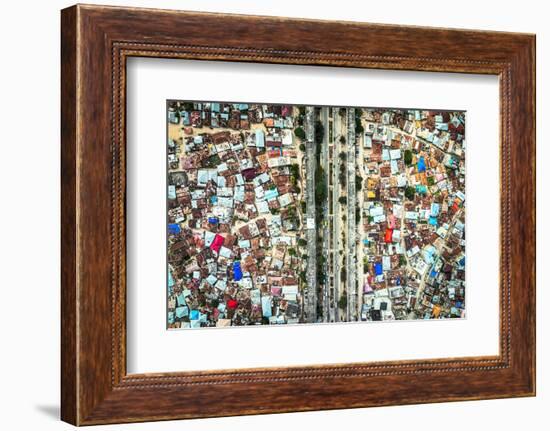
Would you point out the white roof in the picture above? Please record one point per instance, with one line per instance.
(376, 211)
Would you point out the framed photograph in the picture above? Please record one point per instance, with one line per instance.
(261, 217)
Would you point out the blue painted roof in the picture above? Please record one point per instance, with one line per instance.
(237, 271)
(421, 165)
(378, 269)
(174, 228)
(421, 189)
(271, 194)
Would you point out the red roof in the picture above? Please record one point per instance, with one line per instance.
(388, 236)
(217, 243)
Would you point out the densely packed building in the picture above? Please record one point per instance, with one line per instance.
(413, 215)
(234, 229)
(281, 214)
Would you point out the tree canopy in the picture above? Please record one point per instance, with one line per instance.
(300, 133)
(409, 193)
(343, 302)
(408, 157)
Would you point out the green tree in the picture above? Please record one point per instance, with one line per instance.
(343, 302)
(343, 275)
(342, 178)
(319, 132)
(320, 186)
(358, 126)
(343, 200)
(358, 182)
(300, 133)
(302, 148)
(408, 157)
(409, 193)
(320, 191)
(295, 170)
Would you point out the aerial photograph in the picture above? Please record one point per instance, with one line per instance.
(291, 214)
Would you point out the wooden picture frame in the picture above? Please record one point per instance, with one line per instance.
(96, 41)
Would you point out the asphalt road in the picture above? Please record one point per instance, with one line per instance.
(325, 165)
(310, 306)
(351, 262)
(335, 213)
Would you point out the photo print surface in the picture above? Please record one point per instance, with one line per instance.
(291, 214)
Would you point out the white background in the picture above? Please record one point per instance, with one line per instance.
(151, 348)
(29, 218)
